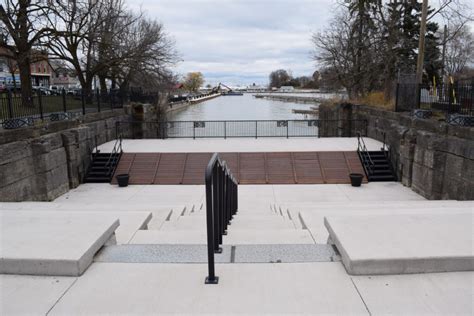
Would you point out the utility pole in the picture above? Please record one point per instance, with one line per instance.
(445, 39)
(421, 43)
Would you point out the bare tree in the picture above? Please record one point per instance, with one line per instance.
(84, 32)
(147, 53)
(19, 25)
(459, 49)
(338, 48)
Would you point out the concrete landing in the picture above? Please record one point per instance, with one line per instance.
(418, 294)
(130, 222)
(146, 289)
(235, 237)
(31, 295)
(277, 144)
(312, 216)
(51, 243)
(398, 244)
(230, 254)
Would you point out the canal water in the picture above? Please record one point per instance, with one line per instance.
(245, 107)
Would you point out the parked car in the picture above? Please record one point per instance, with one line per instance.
(42, 90)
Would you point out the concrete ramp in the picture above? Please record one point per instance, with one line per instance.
(52, 243)
(399, 244)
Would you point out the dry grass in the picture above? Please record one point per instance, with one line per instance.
(331, 102)
(376, 100)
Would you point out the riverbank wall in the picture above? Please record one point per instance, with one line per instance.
(288, 98)
(40, 163)
(178, 106)
(433, 158)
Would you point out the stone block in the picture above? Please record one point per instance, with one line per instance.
(52, 183)
(419, 155)
(46, 143)
(430, 125)
(16, 170)
(434, 160)
(427, 182)
(454, 166)
(461, 132)
(460, 147)
(21, 190)
(50, 160)
(14, 151)
(69, 137)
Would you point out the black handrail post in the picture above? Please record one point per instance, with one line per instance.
(83, 103)
(63, 94)
(40, 104)
(10, 103)
(194, 130)
(287, 131)
(211, 278)
(221, 204)
(256, 129)
(216, 209)
(225, 129)
(396, 96)
(98, 99)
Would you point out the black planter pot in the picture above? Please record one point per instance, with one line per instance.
(122, 180)
(356, 179)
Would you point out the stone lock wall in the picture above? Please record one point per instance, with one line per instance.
(43, 162)
(435, 159)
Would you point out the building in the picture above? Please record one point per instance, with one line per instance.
(62, 76)
(287, 89)
(40, 70)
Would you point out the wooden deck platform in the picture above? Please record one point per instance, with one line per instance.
(248, 168)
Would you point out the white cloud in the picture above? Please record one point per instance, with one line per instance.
(241, 41)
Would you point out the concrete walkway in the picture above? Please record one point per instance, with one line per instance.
(134, 278)
(278, 144)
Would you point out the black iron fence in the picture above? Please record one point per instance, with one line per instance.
(221, 206)
(16, 111)
(241, 128)
(450, 98)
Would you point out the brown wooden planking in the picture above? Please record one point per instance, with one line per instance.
(248, 168)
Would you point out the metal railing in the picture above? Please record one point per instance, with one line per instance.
(221, 206)
(16, 112)
(235, 128)
(451, 98)
(364, 154)
(114, 157)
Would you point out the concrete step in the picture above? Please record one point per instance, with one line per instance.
(52, 243)
(269, 223)
(313, 219)
(230, 254)
(197, 223)
(392, 204)
(234, 237)
(257, 211)
(399, 244)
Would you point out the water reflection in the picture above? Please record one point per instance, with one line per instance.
(244, 107)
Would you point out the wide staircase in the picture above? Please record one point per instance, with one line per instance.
(270, 225)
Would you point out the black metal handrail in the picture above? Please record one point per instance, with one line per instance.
(385, 147)
(114, 157)
(233, 128)
(221, 206)
(365, 155)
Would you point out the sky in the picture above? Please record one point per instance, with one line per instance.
(239, 42)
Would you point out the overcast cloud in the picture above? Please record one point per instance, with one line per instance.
(241, 41)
